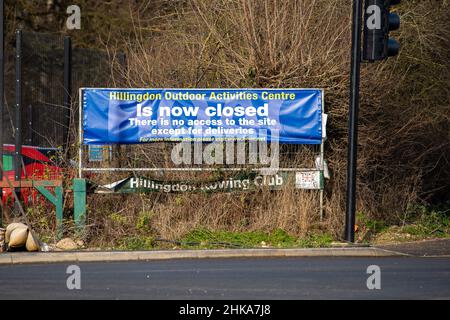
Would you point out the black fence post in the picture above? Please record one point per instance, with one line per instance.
(67, 90)
(122, 59)
(29, 139)
(2, 77)
(18, 110)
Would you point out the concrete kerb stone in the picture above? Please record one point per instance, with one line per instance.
(5, 258)
(42, 257)
(110, 256)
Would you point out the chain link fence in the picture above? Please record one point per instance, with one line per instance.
(46, 120)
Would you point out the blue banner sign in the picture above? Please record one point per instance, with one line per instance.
(131, 116)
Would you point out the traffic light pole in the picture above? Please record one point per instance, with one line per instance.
(353, 120)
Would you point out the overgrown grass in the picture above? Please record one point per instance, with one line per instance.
(403, 136)
(204, 238)
(404, 140)
(420, 222)
(429, 221)
(136, 243)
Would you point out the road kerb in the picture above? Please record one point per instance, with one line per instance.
(107, 256)
(110, 256)
(40, 257)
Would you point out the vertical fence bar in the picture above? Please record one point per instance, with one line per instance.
(18, 111)
(80, 134)
(2, 77)
(67, 90)
(29, 139)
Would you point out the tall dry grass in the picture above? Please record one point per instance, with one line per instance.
(404, 140)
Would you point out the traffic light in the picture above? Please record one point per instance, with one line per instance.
(378, 22)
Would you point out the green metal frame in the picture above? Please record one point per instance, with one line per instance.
(56, 198)
(79, 203)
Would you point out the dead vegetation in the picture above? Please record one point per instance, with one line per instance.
(404, 137)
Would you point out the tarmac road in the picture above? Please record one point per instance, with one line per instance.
(245, 278)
